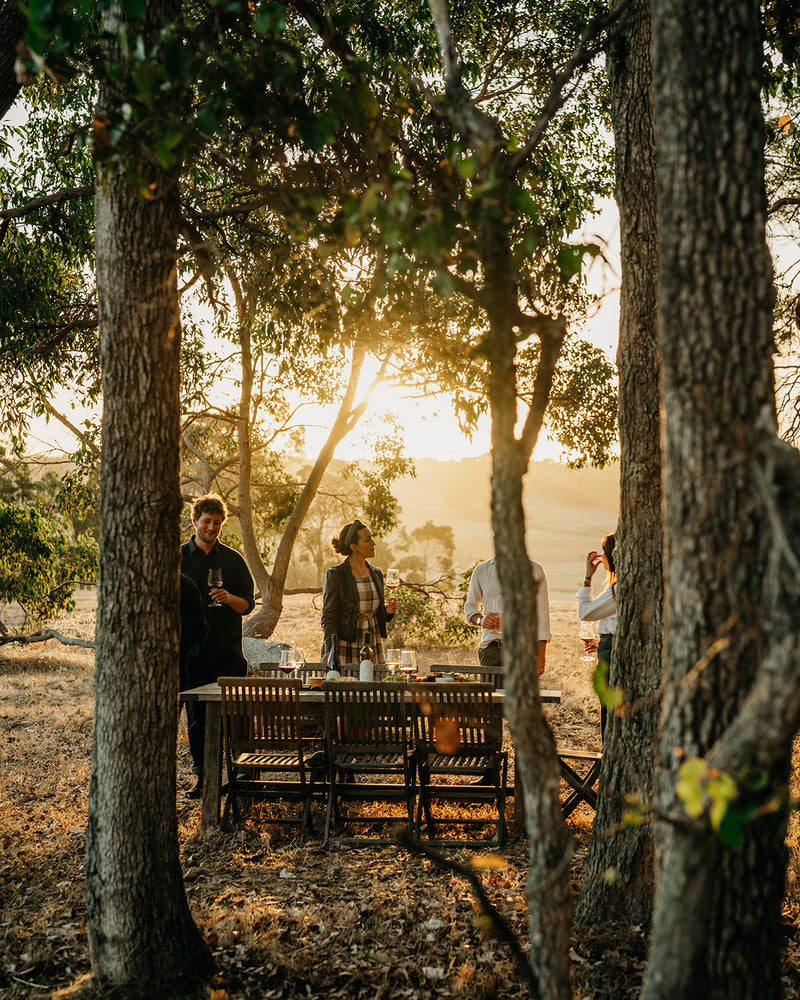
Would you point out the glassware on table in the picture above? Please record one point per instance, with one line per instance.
(214, 580)
(392, 660)
(408, 661)
(291, 660)
(392, 578)
(587, 633)
(494, 606)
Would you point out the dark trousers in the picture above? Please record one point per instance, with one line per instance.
(205, 670)
(491, 655)
(604, 647)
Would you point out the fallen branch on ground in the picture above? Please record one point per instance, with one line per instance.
(504, 931)
(48, 633)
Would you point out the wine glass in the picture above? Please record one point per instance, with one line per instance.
(296, 659)
(587, 633)
(214, 580)
(392, 660)
(494, 606)
(392, 578)
(287, 665)
(408, 661)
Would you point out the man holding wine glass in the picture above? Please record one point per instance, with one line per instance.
(484, 608)
(221, 573)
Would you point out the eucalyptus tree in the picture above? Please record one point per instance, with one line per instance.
(139, 925)
(486, 204)
(625, 851)
(732, 701)
(470, 173)
(620, 849)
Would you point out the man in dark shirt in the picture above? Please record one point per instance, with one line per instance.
(220, 653)
(193, 626)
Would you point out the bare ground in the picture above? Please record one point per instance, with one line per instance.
(283, 919)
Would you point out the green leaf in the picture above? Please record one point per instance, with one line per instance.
(134, 9)
(689, 788)
(569, 261)
(205, 121)
(731, 829)
(467, 167)
(722, 790)
(521, 200)
(442, 282)
(609, 697)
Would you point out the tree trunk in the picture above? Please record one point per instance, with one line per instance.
(13, 25)
(548, 894)
(717, 917)
(244, 439)
(262, 623)
(629, 741)
(139, 925)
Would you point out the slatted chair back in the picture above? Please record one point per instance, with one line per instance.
(259, 712)
(366, 714)
(263, 738)
(369, 752)
(483, 675)
(458, 736)
(468, 706)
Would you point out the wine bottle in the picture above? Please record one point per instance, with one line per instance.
(366, 656)
(332, 660)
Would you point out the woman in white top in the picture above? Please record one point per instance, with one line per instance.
(602, 609)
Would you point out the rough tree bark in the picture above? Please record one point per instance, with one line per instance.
(629, 739)
(548, 894)
(140, 928)
(731, 690)
(12, 31)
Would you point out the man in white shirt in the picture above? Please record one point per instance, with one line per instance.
(482, 608)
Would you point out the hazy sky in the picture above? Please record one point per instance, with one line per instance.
(429, 426)
(431, 431)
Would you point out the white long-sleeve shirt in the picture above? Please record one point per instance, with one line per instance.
(484, 585)
(602, 609)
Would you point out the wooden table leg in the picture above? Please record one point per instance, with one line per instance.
(212, 767)
(518, 817)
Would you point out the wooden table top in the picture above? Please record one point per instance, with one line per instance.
(211, 693)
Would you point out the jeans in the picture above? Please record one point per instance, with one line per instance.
(604, 647)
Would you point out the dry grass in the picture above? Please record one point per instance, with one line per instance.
(283, 919)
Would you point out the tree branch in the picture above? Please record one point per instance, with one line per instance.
(587, 48)
(47, 633)
(504, 931)
(49, 199)
(66, 422)
(783, 203)
(551, 348)
(475, 125)
(316, 18)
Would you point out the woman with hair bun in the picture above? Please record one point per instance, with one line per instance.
(602, 609)
(353, 597)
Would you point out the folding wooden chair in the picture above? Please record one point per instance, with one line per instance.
(264, 743)
(581, 785)
(458, 737)
(370, 758)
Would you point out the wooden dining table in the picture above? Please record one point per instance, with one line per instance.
(312, 703)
